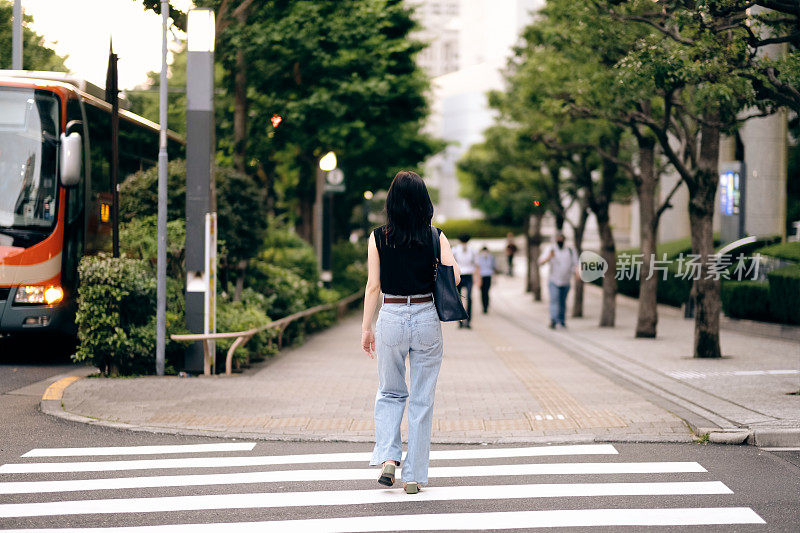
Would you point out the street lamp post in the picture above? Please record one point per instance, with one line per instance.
(327, 164)
(200, 221)
(161, 261)
(16, 37)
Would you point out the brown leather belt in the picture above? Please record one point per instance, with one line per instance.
(414, 300)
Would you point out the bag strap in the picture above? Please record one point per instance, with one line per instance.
(437, 250)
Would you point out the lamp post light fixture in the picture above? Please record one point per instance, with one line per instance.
(200, 218)
(365, 213)
(328, 162)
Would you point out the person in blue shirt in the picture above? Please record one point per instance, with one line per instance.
(485, 269)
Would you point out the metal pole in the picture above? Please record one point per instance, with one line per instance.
(327, 238)
(114, 92)
(16, 46)
(161, 267)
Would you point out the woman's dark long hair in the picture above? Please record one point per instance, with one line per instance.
(408, 210)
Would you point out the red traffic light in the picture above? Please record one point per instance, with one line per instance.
(276, 119)
(536, 203)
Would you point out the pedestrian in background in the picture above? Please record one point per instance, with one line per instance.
(563, 265)
(466, 258)
(484, 272)
(511, 249)
(401, 265)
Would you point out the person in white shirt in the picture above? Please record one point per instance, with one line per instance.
(466, 258)
(563, 265)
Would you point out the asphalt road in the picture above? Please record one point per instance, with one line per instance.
(518, 489)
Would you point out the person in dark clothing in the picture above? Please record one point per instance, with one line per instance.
(511, 250)
(485, 269)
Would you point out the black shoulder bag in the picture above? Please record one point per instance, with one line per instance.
(445, 294)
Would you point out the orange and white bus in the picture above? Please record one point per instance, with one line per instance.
(55, 190)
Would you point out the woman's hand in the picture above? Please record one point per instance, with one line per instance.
(368, 342)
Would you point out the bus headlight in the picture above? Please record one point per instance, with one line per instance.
(53, 295)
(37, 294)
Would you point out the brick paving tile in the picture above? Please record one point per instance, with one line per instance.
(497, 382)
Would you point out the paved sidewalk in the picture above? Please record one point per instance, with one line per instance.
(509, 379)
(499, 383)
(750, 393)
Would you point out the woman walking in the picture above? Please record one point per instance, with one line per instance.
(402, 266)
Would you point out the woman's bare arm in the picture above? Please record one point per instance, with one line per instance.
(447, 257)
(371, 295)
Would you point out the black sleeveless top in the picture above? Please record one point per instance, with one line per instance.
(405, 270)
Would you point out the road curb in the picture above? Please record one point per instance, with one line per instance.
(775, 437)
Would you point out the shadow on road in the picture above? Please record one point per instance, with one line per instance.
(39, 349)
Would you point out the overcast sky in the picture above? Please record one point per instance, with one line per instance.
(81, 29)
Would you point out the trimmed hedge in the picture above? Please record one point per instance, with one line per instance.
(789, 251)
(747, 299)
(476, 228)
(784, 301)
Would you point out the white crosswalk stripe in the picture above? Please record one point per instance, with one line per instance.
(217, 462)
(141, 450)
(73, 497)
(346, 475)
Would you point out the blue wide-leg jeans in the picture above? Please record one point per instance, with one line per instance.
(402, 330)
(558, 302)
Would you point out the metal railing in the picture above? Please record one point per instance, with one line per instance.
(243, 336)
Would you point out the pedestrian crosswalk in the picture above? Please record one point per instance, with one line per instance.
(500, 488)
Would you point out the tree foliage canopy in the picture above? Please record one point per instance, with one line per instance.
(36, 55)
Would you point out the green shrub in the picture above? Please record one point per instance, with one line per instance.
(789, 251)
(138, 239)
(284, 248)
(241, 218)
(115, 315)
(287, 292)
(784, 294)
(349, 266)
(241, 316)
(746, 299)
(476, 228)
(672, 289)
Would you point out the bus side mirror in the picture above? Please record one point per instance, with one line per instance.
(71, 154)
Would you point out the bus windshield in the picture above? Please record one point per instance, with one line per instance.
(29, 127)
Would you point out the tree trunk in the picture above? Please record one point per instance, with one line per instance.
(608, 251)
(648, 226)
(529, 263)
(701, 212)
(580, 228)
(305, 226)
(534, 242)
(240, 112)
(241, 270)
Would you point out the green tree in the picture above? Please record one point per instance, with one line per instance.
(499, 178)
(340, 74)
(144, 99)
(703, 66)
(35, 54)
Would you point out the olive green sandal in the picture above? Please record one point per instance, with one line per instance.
(412, 487)
(387, 475)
